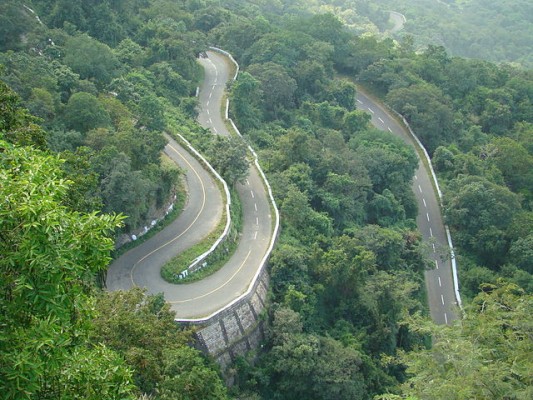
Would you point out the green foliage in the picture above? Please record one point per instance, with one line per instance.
(481, 212)
(84, 112)
(50, 256)
(90, 59)
(16, 124)
(310, 366)
(142, 329)
(229, 157)
(473, 28)
(486, 356)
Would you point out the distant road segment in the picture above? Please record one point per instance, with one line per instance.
(439, 280)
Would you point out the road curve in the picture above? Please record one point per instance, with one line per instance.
(234, 278)
(398, 19)
(439, 280)
(141, 265)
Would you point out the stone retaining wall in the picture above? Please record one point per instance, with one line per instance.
(236, 330)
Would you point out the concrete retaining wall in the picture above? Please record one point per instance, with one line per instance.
(237, 329)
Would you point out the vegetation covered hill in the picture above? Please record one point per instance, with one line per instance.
(107, 77)
(497, 31)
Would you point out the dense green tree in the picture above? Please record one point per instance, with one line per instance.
(187, 376)
(486, 356)
(42, 104)
(390, 162)
(50, 256)
(228, 156)
(277, 86)
(151, 113)
(16, 124)
(298, 216)
(91, 59)
(426, 109)
(515, 163)
(142, 329)
(84, 112)
(481, 212)
(311, 366)
(246, 94)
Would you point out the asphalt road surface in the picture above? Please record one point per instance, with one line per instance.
(141, 265)
(439, 281)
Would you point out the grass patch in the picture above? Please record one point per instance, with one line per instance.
(217, 259)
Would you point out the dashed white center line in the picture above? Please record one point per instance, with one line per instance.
(416, 177)
(255, 205)
(420, 188)
(207, 103)
(257, 220)
(207, 110)
(433, 245)
(427, 216)
(210, 121)
(359, 101)
(255, 235)
(247, 182)
(440, 283)
(252, 193)
(210, 94)
(372, 111)
(442, 299)
(215, 129)
(390, 130)
(381, 120)
(430, 232)
(424, 200)
(445, 318)
(437, 264)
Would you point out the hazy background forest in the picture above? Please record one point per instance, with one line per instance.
(96, 83)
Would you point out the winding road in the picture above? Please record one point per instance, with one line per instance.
(398, 20)
(141, 265)
(439, 280)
